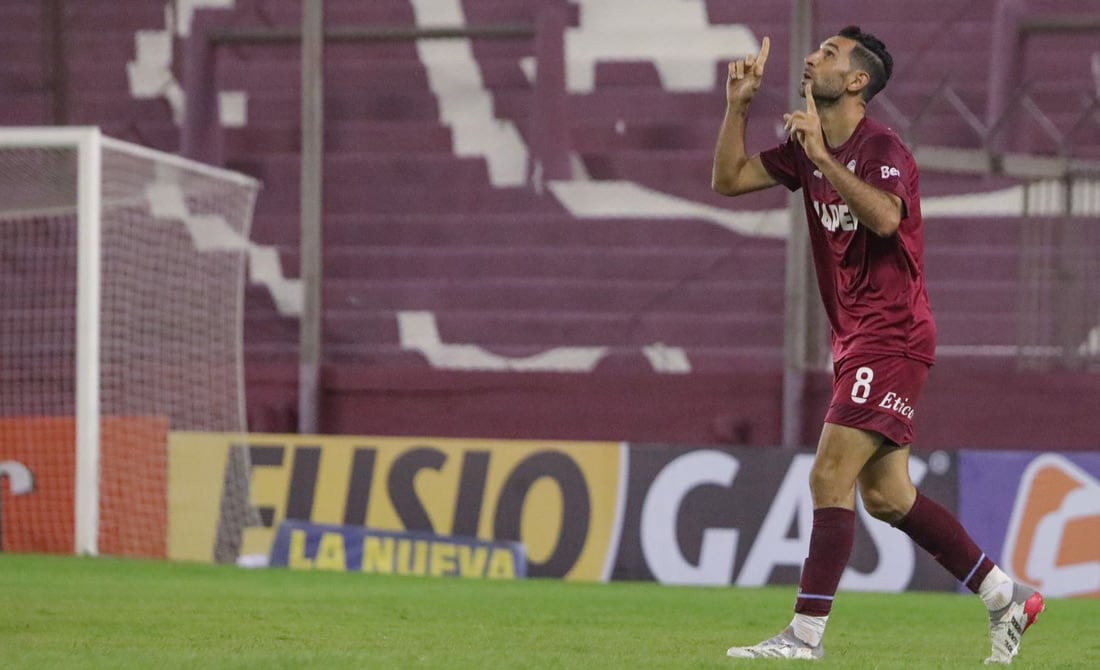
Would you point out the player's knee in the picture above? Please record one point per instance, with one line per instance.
(827, 486)
(820, 479)
(884, 505)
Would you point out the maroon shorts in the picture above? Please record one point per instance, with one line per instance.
(877, 393)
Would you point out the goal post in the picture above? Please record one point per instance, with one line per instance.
(121, 318)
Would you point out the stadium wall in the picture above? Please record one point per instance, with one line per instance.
(967, 404)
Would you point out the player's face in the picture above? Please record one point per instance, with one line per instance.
(828, 69)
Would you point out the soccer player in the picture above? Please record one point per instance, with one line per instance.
(860, 187)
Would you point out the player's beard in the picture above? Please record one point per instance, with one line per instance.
(827, 92)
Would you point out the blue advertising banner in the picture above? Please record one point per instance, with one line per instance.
(1037, 515)
(301, 545)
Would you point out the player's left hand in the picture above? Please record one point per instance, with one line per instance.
(805, 126)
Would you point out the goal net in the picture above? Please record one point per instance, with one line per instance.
(121, 293)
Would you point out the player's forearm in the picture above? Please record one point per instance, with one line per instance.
(729, 151)
(874, 208)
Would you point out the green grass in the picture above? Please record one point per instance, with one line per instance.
(58, 612)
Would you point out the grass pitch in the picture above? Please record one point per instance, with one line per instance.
(60, 612)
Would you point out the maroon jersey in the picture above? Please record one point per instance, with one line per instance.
(872, 287)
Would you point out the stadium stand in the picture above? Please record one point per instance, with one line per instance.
(438, 226)
(48, 76)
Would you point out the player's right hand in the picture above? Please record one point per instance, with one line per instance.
(745, 75)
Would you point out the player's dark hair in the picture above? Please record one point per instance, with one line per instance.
(871, 56)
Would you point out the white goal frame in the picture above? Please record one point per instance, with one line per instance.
(89, 143)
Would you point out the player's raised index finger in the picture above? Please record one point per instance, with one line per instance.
(811, 105)
(765, 45)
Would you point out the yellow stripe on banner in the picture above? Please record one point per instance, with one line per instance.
(196, 463)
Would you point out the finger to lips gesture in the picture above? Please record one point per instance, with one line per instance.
(805, 125)
(745, 74)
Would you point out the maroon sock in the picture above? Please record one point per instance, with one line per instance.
(938, 532)
(830, 546)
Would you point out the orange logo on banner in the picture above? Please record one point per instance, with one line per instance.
(1053, 538)
(38, 456)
